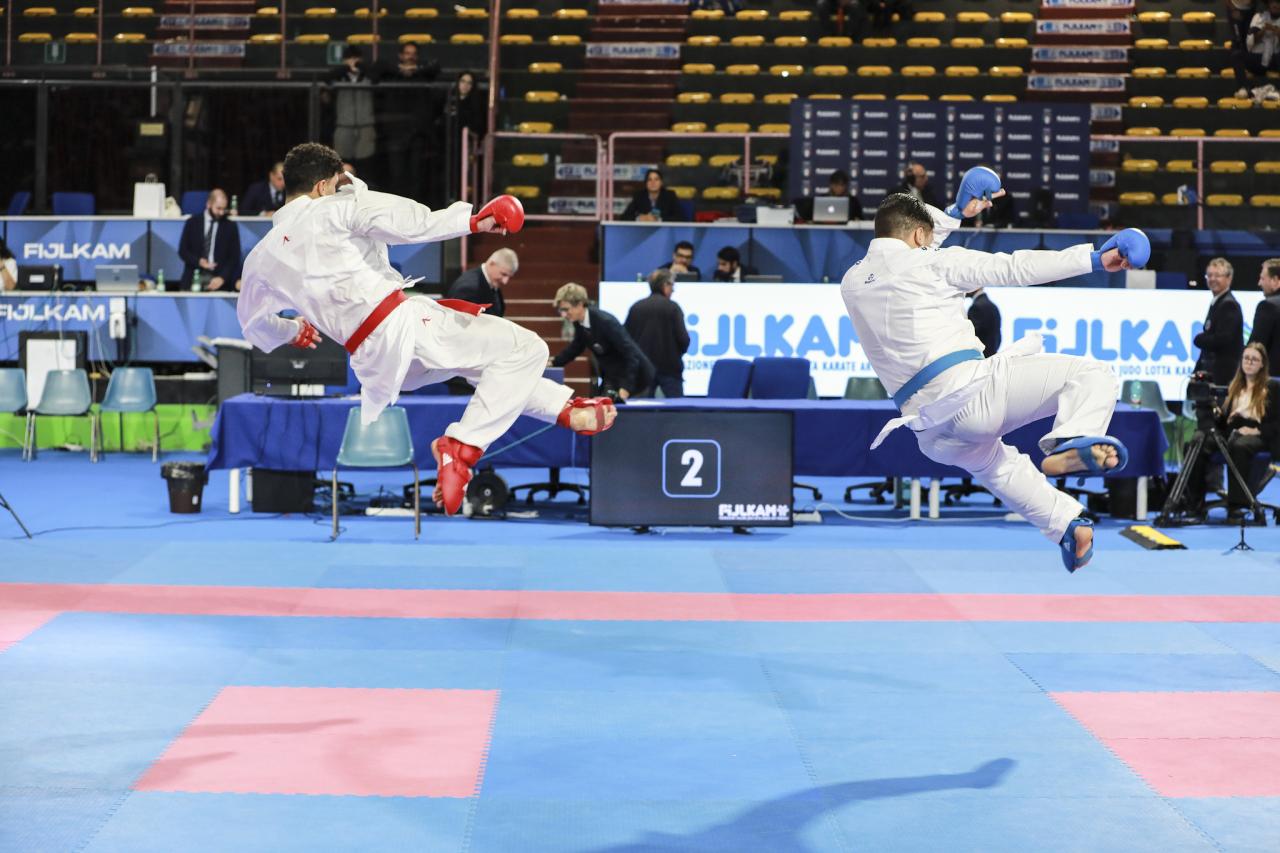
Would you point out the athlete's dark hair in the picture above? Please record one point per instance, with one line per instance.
(308, 163)
(900, 214)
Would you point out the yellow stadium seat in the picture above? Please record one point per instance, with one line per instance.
(1224, 200)
(1151, 44)
(683, 192)
(1187, 131)
(1006, 71)
(535, 127)
(1267, 167)
(744, 69)
(138, 12)
(771, 159)
(747, 41)
(880, 41)
(366, 12)
(967, 41)
(783, 98)
(416, 38)
(360, 38)
(837, 71)
(1147, 71)
(1017, 18)
(1142, 131)
(719, 161)
(973, 18)
(316, 38)
(707, 14)
(515, 38)
(693, 98)
(826, 96)
(738, 98)
(522, 190)
(138, 38)
(928, 17)
(774, 127)
(795, 15)
(791, 41)
(545, 67)
(733, 127)
(924, 42)
(1000, 99)
(962, 71)
(541, 96)
(720, 193)
(911, 96)
(564, 39)
(1228, 167)
(1235, 103)
(869, 96)
(1198, 17)
(956, 98)
(522, 13)
(874, 71)
(835, 41)
(698, 68)
(786, 70)
(1015, 41)
(765, 192)
(1138, 198)
(473, 13)
(320, 12)
(703, 41)
(466, 38)
(529, 161)
(752, 15)
(1231, 133)
(689, 127)
(1138, 165)
(1192, 72)
(35, 38)
(1195, 44)
(918, 71)
(1266, 200)
(81, 38)
(1146, 101)
(418, 12)
(1170, 200)
(1269, 133)
(1191, 102)
(268, 12)
(1154, 17)
(265, 38)
(86, 12)
(683, 161)
(1180, 167)
(571, 14)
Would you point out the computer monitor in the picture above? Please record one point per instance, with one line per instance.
(39, 277)
(831, 209)
(284, 367)
(116, 278)
(762, 279)
(776, 215)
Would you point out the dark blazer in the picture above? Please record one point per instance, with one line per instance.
(668, 206)
(620, 362)
(743, 271)
(257, 199)
(656, 324)
(1269, 425)
(471, 286)
(226, 251)
(927, 193)
(985, 317)
(1222, 340)
(1266, 329)
(693, 271)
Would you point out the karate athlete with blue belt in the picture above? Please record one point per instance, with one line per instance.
(906, 300)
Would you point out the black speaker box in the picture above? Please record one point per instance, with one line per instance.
(283, 491)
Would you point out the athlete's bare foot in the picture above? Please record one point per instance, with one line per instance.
(1069, 462)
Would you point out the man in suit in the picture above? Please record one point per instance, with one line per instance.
(729, 266)
(915, 182)
(210, 243)
(656, 324)
(622, 369)
(483, 284)
(985, 317)
(1222, 340)
(1266, 319)
(265, 197)
(681, 262)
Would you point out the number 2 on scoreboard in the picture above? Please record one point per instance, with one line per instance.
(691, 468)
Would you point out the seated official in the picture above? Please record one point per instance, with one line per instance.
(210, 245)
(8, 268)
(483, 284)
(622, 369)
(265, 197)
(653, 202)
(729, 265)
(1250, 420)
(681, 262)
(837, 186)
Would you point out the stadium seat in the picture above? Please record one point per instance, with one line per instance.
(752, 15)
(266, 38)
(571, 14)
(192, 202)
(535, 127)
(791, 41)
(795, 15)
(967, 42)
(521, 12)
(323, 38)
(320, 12)
(1265, 200)
(771, 159)
(138, 12)
(1171, 200)
(956, 98)
(698, 68)
(999, 99)
(1017, 18)
(526, 161)
(1137, 198)
(405, 38)
(782, 98)
(1006, 71)
(826, 96)
(1142, 131)
(472, 14)
(929, 17)
(366, 12)
(721, 193)
(1150, 72)
(1192, 72)
(689, 127)
(786, 70)
(541, 96)
(81, 38)
(765, 192)
(730, 379)
(1195, 44)
(1235, 103)
(361, 38)
(74, 204)
(419, 12)
(1269, 133)
(564, 39)
(523, 191)
(1198, 17)
(466, 38)
(39, 12)
(35, 38)
(742, 69)
(962, 71)
(924, 42)
(738, 98)
(732, 127)
(831, 70)
(1228, 167)
(774, 127)
(707, 14)
(545, 67)
(267, 12)
(1232, 132)
(973, 18)
(874, 71)
(683, 161)
(1145, 101)
(1154, 17)
(86, 12)
(1187, 131)
(513, 38)
(880, 41)
(1267, 167)
(1224, 200)
(693, 98)
(747, 41)
(1180, 166)
(870, 96)
(918, 71)
(1139, 165)
(1191, 102)
(685, 193)
(835, 41)
(1013, 42)
(1151, 44)
(130, 38)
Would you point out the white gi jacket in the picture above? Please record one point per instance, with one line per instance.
(907, 306)
(327, 258)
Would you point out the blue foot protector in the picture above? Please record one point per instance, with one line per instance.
(1083, 447)
(1068, 545)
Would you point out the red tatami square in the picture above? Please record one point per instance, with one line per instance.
(340, 741)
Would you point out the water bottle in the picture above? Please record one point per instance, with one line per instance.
(235, 206)
(160, 281)
(195, 282)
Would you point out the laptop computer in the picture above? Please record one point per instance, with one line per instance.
(39, 277)
(831, 209)
(776, 216)
(116, 278)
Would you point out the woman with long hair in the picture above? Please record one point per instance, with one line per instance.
(8, 268)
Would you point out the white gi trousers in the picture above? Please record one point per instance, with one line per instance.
(502, 360)
(1081, 394)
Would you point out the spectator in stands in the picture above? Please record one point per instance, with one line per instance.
(681, 263)
(622, 370)
(881, 12)
(264, 197)
(653, 202)
(467, 104)
(1220, 342)
(405, 114)
(483, 284)
(1259, 53)
(729, 266)
(355, 135)
(985, 317)
(837, 185)
(656, 324)
(915, 182)
(1266, 318)
(210, 245)
(1250, 418)
(843, 17)
(1240, 15)
(8, 268)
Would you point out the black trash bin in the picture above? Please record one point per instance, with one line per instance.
(186, 485)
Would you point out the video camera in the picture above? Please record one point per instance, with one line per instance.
(1205, 398)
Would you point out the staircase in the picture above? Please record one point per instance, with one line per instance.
(217, 39)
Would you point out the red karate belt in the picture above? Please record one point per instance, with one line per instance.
(386, 306)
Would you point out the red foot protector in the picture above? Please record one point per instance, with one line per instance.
(454, 460)
(605, 413)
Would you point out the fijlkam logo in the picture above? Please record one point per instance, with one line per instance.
(44, 312)
(76, 251)
(754, 512)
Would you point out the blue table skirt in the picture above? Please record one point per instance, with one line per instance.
(831, 436)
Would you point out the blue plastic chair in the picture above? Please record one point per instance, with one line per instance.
(13, 390)
(18, 203)
(780, 379)
(74, 204)
(730, 378)
(131, 390)
(193, 202)
(385, 443)
(66, 394)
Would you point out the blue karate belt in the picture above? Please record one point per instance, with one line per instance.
(931, 371)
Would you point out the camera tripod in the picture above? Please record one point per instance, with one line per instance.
(1173, 513)
(4, 504)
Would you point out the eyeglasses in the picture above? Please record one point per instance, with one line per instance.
(683, 257)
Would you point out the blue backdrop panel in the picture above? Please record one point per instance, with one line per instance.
(635, 251)
(78, 245)
(823, 127)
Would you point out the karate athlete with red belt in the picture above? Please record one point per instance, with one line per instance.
(326, 258)
(906, 300)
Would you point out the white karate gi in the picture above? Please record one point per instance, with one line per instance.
(907, 306)
(327, 258)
